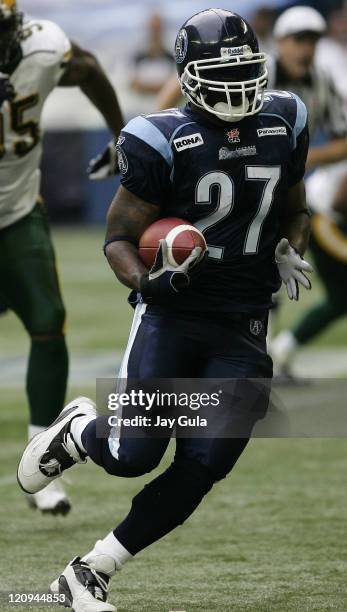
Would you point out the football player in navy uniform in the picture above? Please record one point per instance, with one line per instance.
(231, 162)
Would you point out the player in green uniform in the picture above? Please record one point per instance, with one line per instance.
(35, 57)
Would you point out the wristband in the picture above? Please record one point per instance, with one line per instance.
(119, 239)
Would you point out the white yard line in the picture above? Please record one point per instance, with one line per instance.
(86, 367)
(321, 363)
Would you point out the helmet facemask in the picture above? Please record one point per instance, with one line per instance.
(10, 31)
(231, 87)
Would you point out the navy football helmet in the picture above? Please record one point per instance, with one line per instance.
(219, 65)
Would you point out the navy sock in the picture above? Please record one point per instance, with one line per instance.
(164, 504)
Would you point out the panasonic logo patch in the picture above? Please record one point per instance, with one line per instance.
(188, 142)
(272, 131)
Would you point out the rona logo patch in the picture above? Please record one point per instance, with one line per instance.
(273, 131)
(188, 142)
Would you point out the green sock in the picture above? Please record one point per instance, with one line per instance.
(317, 319)
(47, 379)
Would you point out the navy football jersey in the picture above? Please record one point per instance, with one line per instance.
(231, 181)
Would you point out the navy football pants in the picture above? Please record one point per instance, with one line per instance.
(172, 345)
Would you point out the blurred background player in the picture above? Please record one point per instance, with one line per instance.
(295, 70)
(153, 65)
(36, 56)
(331, 54)
(263, 20)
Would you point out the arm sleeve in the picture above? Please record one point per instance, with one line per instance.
(145, 172)
(297, 163)
(300, 144)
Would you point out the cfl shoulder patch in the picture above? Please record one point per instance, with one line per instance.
(188, 142)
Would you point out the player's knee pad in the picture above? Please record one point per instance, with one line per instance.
(142, 459)
(48, 323)
(132, 464)
(133, 457)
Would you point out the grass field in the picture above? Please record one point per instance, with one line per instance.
(270, 538)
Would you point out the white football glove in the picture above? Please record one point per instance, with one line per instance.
(104, 165)
(291, 268)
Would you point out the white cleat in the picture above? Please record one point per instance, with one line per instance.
(282, 349)
(53, 450)
(51, 500)
(85, 584)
